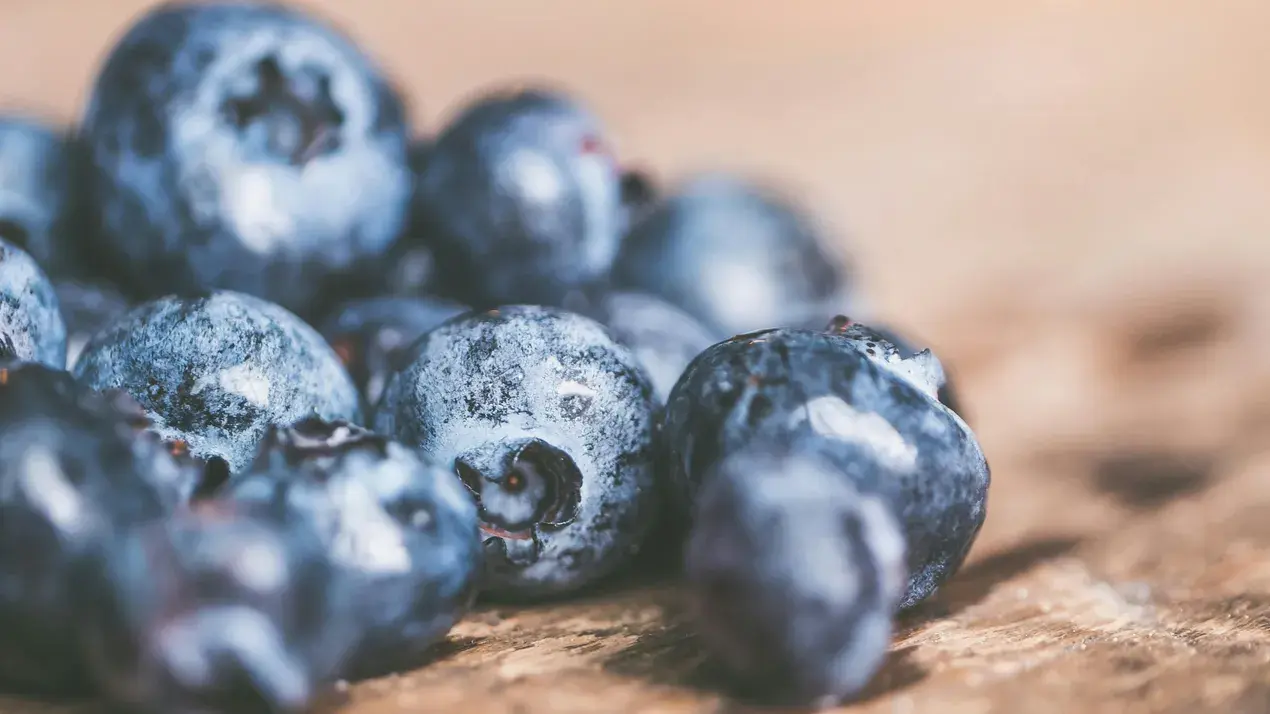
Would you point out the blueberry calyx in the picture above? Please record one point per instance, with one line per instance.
(301, 125)
(536, 486)
(838, 324)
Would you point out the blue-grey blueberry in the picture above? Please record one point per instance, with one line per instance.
(31, 324)
(888, 347)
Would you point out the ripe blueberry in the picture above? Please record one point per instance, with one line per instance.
(882, 431)
(248, 147)
(549, 423)
(402, 529)
(794, 575)
(736, 256)
(885, 346)
(214, 372)
(87, 309)
(40, 187)
(31, 325)
(520, 200)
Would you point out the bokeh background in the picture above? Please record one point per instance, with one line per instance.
(1070, 199)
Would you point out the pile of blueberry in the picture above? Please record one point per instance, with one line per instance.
(522, 367)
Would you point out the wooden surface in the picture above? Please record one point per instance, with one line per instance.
(1070, 198)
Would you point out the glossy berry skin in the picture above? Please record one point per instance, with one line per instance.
(249, 147)
(735, 255)
(886, 434)
(520, 200)
(216, 609)
(891, 345)
(71, 477)
(216, 371)
(549, 423)
(87, 309)
(370, 334)
(794, 575)
(31, 325)
(402, 529)
(40, 193)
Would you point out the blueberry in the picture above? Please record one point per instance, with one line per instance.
(885, 346)
(886, 434)
(214, 372)
(248, 147)
(402, 528)
(549, 423)
(794, 575)
(40, 186)
(370, 334)
(663, 337)
(520, 200)
(735, 255)
(71, 477)
(216, 609)
(87, 309)
(31, 326)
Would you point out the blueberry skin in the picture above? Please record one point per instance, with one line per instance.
(87, 309)
(885, 433)
(736, 255)
(248, 147)
(41, 177)
(219, 608)
(663, 337)
(31, 325)
(549, 423)
(215, 372)
(794, 575)
(71, 477)
(890, 340)
(370, 334)
(520, 200)
(400, 527)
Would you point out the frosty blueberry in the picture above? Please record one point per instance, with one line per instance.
(31, 325)
(370, 334)
(87, 309)
(886, 434)
(248, 147)
(40, 202)
(794, 575)
(217, 609)
(71, 477)
(216, 371)
(402, 529)
(737, 256)
(550, 424)
(886, 347)
(520, 200)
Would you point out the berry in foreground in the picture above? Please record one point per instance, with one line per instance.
(794, 576)
(401, 529)
(885, 346)
(247, 147)
(549, 423)
(31, 325)
(215, 372)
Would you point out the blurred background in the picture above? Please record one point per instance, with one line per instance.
(1070, 199)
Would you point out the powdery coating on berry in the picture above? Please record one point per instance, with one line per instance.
(520, 199)
(217, 371)
(945, 392)
(487, 385)
(735, 255)
(921, 368)
(884, 434)
(403, 528)
(31, 326)
(795, 575)
(39, 183)
(663, 337)
(87, 309)
(216, 609)
(249, 147)
(70, 478)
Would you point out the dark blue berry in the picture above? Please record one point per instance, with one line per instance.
(40, 193)
(879, 425)
(71, 477)
(217, 609)
(370, 334)
(520, 200)
(402, 529)
(31, 325)
(794, 575)
(87, 308)
(885, 343)
(549, 423)
(249, 147)
(215, 372)
(737, 256)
